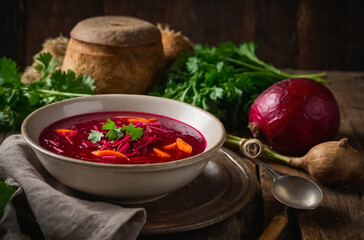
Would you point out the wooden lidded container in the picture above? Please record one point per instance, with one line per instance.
(122, 54)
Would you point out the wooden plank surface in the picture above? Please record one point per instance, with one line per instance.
(202, 21)
(270, 39)
(299, 34)
(12, 30)
(317, 33)
(50, 19)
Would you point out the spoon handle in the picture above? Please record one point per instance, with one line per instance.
(274, 173)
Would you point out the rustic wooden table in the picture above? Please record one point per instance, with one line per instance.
(341, 214)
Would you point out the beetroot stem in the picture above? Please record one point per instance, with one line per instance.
(232, 140)
(272, 154)
(235, 142)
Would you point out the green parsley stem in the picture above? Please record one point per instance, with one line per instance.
(182, 98)
(259, 69)
(57, 93)
(320, 77)
(252, 74)
(195, 95)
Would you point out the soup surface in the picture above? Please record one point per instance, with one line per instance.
(121, 137)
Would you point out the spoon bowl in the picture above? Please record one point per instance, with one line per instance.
(293, 191)
(297, 192)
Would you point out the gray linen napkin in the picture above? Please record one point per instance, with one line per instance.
(60, 211)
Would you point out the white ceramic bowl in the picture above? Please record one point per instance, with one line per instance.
(125, 182)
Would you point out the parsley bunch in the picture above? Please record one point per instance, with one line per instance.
(224, 80)
(18, 99)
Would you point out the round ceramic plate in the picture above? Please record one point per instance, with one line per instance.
(225, 186)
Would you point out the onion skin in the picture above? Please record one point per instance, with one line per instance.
(331, 162)
(294, 115)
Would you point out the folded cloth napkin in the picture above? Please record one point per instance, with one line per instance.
(60, 212)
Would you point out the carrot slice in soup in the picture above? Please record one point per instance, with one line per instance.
(138, 119)
(152, 120)
(108, 153)
(132, 118)
(161, 154)
(170, 146)
(126, 117)
(63, 130)
(66, 132)
(183, 146)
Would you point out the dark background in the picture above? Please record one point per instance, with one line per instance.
(298, 34)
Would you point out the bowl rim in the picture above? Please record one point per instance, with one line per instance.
(153, 166)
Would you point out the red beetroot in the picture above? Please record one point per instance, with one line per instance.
(294, 115)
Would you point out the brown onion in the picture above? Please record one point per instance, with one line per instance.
(331, 162)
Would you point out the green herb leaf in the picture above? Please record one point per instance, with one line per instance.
(18, 100)
(68, 82)
(14, 104)
(9, 71)
(6, 191)
(119, 133)
(95, 136)
(109, 125)
(113, 132)
(134, 132)
(46, 65)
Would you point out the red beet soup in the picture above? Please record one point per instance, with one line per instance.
(121, 137)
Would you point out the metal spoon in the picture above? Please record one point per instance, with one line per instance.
(293, 191)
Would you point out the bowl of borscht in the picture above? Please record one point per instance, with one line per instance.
(124, 147)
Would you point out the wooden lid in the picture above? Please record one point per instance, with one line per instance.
(116, 31)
